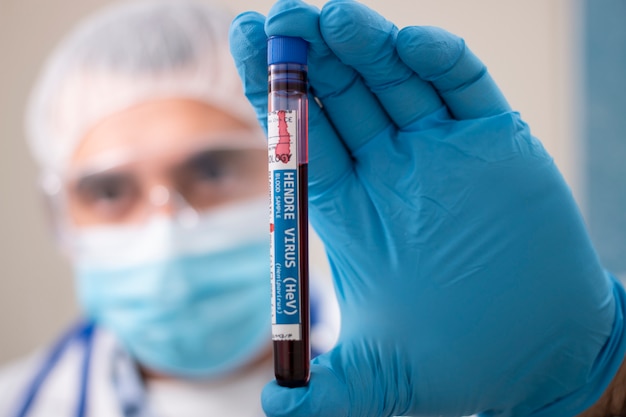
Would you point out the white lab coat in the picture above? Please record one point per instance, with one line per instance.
(58, 396)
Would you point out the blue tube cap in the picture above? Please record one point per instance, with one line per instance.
(286, 50)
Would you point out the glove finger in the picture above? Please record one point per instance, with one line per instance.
(248, 46)
(364, 40)
(326, 395)
(328, 159)
(458, 75)
(352, 109)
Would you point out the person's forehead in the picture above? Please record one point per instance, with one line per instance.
(162, 127)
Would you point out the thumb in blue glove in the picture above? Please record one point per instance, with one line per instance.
(465, 277)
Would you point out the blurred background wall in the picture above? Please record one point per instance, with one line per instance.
(532, 48)
(604, 129)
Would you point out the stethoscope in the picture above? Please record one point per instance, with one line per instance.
(82, 334)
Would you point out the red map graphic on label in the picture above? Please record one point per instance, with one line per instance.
(283, 147)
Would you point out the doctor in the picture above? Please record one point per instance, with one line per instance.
(466, 280)
(155, 169)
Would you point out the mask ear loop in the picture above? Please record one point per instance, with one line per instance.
(184, 213)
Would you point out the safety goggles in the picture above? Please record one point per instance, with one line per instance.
(128, 186)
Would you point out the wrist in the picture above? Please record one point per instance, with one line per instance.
(613, 401)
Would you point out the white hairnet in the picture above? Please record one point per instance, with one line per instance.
(129, 53)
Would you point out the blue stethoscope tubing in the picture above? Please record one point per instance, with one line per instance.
(81, 333)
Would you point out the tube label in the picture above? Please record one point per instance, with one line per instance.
(284, 236)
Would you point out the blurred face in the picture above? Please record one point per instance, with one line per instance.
(186, 299)
(162, 156)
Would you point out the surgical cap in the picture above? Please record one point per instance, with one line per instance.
(127, 54)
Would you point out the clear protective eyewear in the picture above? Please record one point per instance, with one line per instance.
(128, 186)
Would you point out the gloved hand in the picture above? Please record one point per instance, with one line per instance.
(466, 280)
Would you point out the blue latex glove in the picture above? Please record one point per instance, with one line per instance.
(466, 280)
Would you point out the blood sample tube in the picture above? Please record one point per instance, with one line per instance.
(287, 129)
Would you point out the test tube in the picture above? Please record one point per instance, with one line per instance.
(287, 130)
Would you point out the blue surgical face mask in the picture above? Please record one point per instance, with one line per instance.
(187, 301)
